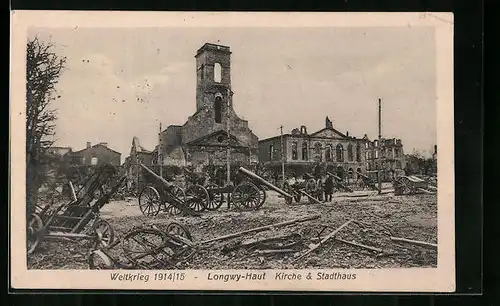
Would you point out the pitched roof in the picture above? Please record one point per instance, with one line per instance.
(97, 145)
(328, 128)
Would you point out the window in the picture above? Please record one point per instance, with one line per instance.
(367, 155)
(328, 153)
(218, 110)
(375, 143)
(376, 153)
(367, 145)
(358, 171)
(304, 151)
(398, 164)
(217, 73)
(350, 153)
(340, 153)
(202, 72)
(382, 152)
(83, 160)
(358, 152)
(396, 152)
(271, 152)
(93, 161)
(294, 151)
(340, 172)
(368, 168)
(389, 153)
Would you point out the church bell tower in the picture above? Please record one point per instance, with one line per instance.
(213, 82)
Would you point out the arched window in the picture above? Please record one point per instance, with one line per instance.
(294, 151)
(396, 152)
(271, 152)
(340, 153)
(218, 110)
(328, 153)
(376, 153)
(376, 143)
(305, 151)
(358, 152)
(350, 153)
(217, 73)
(317, 151)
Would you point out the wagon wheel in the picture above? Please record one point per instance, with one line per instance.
(311, 188)
(288, 189)
(149, 201)
(246, 194)
(104, 232)
(197, 198)
(263, 196)
(98, 260)
(407, 187)
(216, 197)
(177, 229)
(178, 194)
(35, 225)
(147, 248)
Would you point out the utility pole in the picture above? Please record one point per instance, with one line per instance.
(379, 138)
(160, 155)
(282, 156)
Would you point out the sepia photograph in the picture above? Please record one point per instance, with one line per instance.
(193, 151)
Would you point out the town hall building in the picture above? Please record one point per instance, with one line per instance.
(342, 154)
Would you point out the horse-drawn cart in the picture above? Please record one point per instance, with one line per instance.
(407, 185)
(78, 219)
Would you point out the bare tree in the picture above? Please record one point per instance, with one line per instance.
(43, 70)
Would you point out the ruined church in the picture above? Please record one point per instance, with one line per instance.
(204, 137)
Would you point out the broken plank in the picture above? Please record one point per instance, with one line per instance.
(416, 242)
(277, 251)
(360, 245)
(323, 240)
(310, 197)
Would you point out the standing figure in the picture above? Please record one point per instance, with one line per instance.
(328, 188)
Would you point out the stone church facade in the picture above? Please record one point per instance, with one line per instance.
(204, 137)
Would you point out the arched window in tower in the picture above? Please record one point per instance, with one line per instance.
(218, 109)
(295, 154)
(358, 152)
(350, 153)
(217, 73)
(305, 150)
(340, 153)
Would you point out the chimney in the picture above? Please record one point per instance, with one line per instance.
(347, 133)
(89, 144)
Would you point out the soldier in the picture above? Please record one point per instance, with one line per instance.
(328, 188)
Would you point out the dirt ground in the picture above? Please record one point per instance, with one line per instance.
(377, 218)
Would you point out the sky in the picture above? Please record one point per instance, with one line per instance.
(122, 82)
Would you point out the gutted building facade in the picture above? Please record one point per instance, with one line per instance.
(204, 138)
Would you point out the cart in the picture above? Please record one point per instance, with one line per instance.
(78, 219)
